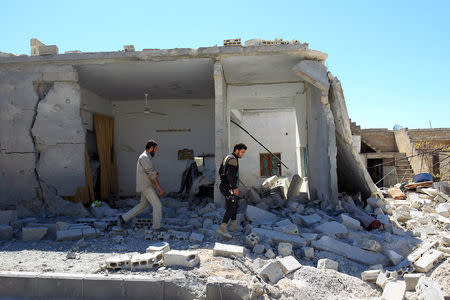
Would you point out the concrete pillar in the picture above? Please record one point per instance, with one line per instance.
(222, 127)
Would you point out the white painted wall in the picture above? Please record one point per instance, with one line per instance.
(133, 130)
(277, 130)
(93, 103)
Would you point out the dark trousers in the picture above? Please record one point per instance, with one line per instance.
(231, 204)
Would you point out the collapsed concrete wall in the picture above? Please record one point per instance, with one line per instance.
(41, 135)
(352, 174)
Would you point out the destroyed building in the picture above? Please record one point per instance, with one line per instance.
(393, 156)
(61, 112)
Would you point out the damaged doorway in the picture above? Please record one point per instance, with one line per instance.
(375, 167)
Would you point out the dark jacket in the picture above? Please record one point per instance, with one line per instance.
(229, 171)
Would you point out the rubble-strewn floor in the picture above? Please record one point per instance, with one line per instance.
(89, 255)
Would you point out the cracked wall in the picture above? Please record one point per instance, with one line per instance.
(41, 135)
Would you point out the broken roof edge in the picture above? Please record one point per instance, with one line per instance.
(215, 52)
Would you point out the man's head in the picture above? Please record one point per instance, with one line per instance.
(239, 150)
(151, 147)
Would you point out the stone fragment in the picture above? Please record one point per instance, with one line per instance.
(394, 257)
(228, 250)
(196, 237)
(270, 253)
(326, 263)
(428, 289)
(256, 288)
(310, 220)
(270, 182)
(69, 234)
(333, 228)
(286, 226)
(329, 244)
(257, 215)
(411, 281)
(6, 232)
(289, 264)
(394, 290)
(62, 225)
(350, 223)
(207, 208)
(294, 187)
(443, 209)
(428, 260)
(33, 234)
(271, 272)
(376, 267)
(375, 202)
(252, 239)
(279, 237)
(183, 258)
(383, 279)
(284, 249)
(370, 245)
(308, 252)
(258, 249)
(370, 275)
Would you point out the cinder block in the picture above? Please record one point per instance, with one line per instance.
(228, 250)
(118, 262)
(196, 237)
(51, 229)
(252, 239)
(69, 235)
(7, 217)
(158, 247)
(326, 263)
(89, 233)
(289, 264)
(33, 234)
(48, 50)
(428, 260)
(147, 260)
(6, 232)
(284, 249)
(411, 281)
(187, 259)
(394, 290)
(271, 272)
(370, 275)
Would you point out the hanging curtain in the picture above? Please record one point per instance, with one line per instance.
(104, 132)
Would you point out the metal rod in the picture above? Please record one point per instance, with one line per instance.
(258, 142)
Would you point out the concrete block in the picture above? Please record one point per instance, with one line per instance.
(271, 272)
(252, 239)
(446, 240)
(284, 249)
(309, 236)
(269, 183)
(220, 288)
(62, 225)
(289, 264)
(118, 262)
(257, 215)
(411, 281)
(350, 223)
(428, 260)
(333, 228)
(270, 254)
(443, 209)
(228, 250)
(313, 72)
(279, 237)
(428, 289)
(187, 259)
(326, 263)
(327, 243)
(7, 216)
(196, 237)
(147, 261)
(6, 232)
(286, 226)
(394, 290)
(370, 245)
(383, 278)
(51, 229)
(48, 50)
(294, 187)
(375, 202)
(310, 220)
(370, 275)
(394, 257)
(258, 249)
(33, 234)
(308, 252)
(69, 235)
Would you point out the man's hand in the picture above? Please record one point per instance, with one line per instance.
(160, 190)
(236, 192)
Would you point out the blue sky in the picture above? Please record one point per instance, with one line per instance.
(392, 57)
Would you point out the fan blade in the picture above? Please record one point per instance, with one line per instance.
(158, 113)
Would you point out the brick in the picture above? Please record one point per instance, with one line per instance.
(326, 263)
(271, 272)
(394, 290)
(6, 232)
(33, 234)
(147, 261)
(187, 259)
(158, 247)
(411, 281)
(289, 264)
(279, 237)
(428, 260)
(228, 250)
(7, 217)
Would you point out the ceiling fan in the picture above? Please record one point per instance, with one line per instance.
(147, 110)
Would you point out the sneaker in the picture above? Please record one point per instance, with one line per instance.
(234, 226)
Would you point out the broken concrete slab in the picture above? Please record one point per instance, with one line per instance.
(257, 215)
(370, 245)
(286, 226)
(443, 209)
(333, 228)
(284, 249)
(394, 257)
(158, 247)
(411, 281)
(228, 250)
(69, 234)
(6, 232)
(279, 237)
(370, 275)
(394, 290)
(270, 182)
(327, 243)
(270, 254)
(196, 237)
(294, 187)
(188, 259)
(271, 272)
(310, 220)
(326, 263)
(428, 289)
(33, 234)
(313, 72)
(350, 223)
(428, 260)
(289, 264)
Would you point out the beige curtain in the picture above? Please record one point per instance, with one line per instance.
(104, 132)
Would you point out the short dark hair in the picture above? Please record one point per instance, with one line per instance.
(151, 143)
(239, 147)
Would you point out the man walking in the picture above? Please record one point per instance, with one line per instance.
(229, 177)
(146, 180)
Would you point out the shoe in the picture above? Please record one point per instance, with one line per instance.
(121, 222)
(222, 230)
(234, 226)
